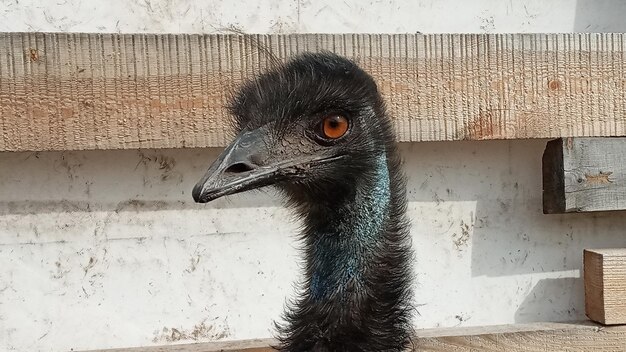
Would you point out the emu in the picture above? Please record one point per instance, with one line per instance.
(316, 128)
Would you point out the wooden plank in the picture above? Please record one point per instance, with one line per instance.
(605, 285)
(584, 175)
(257, 345)
(69, 91)
(537, 337)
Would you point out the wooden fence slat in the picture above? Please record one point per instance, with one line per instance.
(75, 91)
(535, 337)
(584, 175)
(605, 285)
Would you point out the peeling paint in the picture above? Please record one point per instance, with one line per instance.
(199, 332)
(461, 238)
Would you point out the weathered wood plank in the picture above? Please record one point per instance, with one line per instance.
(258, 345)
(107, 91)
(605, 285)
(536, 337)
(584, 174)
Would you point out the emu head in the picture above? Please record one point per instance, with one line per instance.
(311, 127)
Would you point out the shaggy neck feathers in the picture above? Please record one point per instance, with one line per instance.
(356, 293)
(342, 245)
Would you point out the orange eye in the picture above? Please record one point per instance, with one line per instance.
(334, 126)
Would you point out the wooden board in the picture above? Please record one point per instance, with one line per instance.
(584, 174)
(605, 285)
(537, 337)
(67, 91)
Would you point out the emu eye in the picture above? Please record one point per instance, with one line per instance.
(334, 126)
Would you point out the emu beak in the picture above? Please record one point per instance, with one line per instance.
(237, 169)
(247, 164)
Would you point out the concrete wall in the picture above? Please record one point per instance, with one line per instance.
(106, 249)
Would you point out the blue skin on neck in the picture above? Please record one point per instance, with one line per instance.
(342, 246)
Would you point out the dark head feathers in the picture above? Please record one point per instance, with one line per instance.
(349, 190)
(290, 100)
(310, 84)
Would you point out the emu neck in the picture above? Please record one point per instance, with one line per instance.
(345, 237)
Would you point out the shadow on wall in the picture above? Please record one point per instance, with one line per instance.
(489, 199)
(605, 16)
(476, 209)
(508, 231)
(111, 180)
(552, 297)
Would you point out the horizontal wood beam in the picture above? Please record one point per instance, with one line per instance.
(72, 91)
(605, 285)
(536, 337)
(584, 175)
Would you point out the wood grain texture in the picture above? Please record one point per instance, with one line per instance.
(605, 285)
(109, 91)
(536, 337)
(584, 175)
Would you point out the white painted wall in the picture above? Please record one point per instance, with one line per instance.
(324, 16)
(106, 249)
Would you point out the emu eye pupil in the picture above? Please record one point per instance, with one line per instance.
(334, 126)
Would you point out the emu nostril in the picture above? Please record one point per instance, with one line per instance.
(239, 168)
